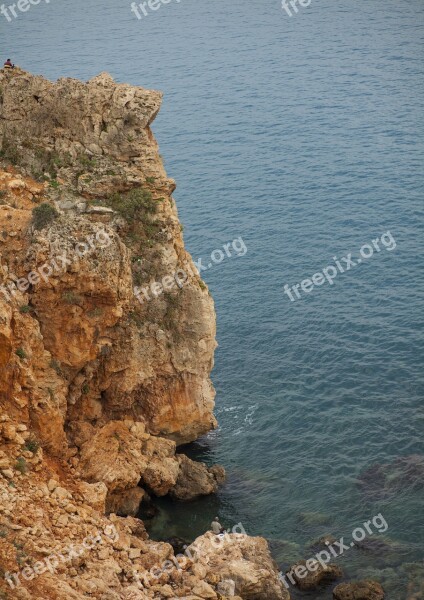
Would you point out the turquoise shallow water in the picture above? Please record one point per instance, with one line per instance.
(304, 136)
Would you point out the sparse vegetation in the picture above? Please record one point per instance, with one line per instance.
(87, 162)
(138, 208)
(25, 309)
(49, 161)
(85, 389)
(21, 353)
(9, 151)
(43, 215)
(55, 364)
(95, 312)
(32, 445)
(71, 298)
(135, 204)
(21, 465)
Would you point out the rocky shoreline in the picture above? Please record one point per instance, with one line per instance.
(98, 387)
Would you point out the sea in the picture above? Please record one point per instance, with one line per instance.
(297, 134)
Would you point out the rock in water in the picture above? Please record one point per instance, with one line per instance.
(196, 479)
(311, 574)
(359, 590)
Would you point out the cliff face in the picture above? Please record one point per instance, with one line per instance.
(115, 355)
(107, 336)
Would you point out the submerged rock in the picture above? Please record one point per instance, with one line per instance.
(312, 519)
(310, 574)
(383, 480)
(359, 590)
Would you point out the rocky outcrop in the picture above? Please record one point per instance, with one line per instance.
(91, 142)
(359, 590)
(239, 561)
(196, 479)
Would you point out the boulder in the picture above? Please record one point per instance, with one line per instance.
(241, 559)
(196, 479)
(310, 574)
(359, 590)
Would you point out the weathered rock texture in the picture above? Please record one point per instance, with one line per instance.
(244, 560)
(98, 387)
(117, 357)
(359, 590)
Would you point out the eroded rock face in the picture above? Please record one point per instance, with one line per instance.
(196, 479)
(127, 503)
(116, 357)
(359, 590)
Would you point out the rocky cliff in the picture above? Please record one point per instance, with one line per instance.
(107, 335)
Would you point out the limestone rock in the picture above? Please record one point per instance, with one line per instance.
(99, 134)
(359, 590)
(241, 559)
(195, 479)
(94, 494)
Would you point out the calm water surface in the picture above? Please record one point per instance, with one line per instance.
(304, 136)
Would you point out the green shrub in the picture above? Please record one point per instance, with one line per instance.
(21, 353)
(43, 215)
(32, 445)
(24, 309)
(135, 204)
(21, 465)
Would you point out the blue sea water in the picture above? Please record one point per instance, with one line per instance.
(304, 136)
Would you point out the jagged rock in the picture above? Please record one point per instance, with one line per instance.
(310, 574)
(359, 590)
(242, 559)
(195, 479)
